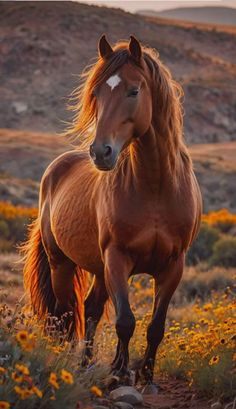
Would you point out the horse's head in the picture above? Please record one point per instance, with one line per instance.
(123, 102)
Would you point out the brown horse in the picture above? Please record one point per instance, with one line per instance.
(130, 205)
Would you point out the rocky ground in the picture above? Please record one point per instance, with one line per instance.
(45, 45)
(171, 394)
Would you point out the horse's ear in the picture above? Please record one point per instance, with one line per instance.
(104, 48)
(135, 48)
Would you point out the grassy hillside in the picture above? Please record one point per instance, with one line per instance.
(25, 155)
(45, 45)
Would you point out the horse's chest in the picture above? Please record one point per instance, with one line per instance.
(152, 237)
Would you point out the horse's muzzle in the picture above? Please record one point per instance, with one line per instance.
(104, 156)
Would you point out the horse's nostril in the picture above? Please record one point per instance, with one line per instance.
(107, 151)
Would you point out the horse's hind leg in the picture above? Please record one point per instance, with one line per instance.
(165, 286)
(62, 272)
(62, 277)
(94, 307)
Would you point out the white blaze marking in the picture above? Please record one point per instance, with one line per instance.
(113, 81)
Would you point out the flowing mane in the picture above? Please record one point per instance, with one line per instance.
(166, 96)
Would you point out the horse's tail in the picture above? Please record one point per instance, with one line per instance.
(37, 282)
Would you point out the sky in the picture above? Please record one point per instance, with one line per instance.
(133, 5)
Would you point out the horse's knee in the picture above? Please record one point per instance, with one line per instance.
(125, 325)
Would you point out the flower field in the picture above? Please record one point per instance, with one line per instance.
(198, 347)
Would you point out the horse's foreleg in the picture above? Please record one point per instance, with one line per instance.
(165, 286)
(94, 307)
(118, 267)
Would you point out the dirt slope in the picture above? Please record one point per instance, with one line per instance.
(25, 155)
(45, 45)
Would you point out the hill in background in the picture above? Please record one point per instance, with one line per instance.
(45, 45)
(213, 15)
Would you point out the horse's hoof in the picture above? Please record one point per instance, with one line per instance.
(150, 389)
(113, 382)
(119, 378)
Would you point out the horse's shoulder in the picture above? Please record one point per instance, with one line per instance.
(61, 165)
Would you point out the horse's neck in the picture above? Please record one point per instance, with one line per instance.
(149, 158)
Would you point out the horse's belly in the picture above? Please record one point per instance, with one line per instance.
(75, 231)
(80, 244)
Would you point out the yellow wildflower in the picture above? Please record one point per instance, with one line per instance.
(214, 360)
(67, 377)
(2, 375)
(29, 345)
(37, 392)
(22, 368)
(53, 380)
(23, 393)
(22, 336)
(96, 391)
(17, 378)
(4, 404)
(26, 340)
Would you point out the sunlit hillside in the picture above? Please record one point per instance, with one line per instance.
(45, 49)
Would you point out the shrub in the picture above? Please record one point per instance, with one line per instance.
(224, 252)
(222, 219)
(13, 224)
(4, 229)
(202, 248)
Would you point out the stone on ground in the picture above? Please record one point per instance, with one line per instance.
(126, 394)
(150, 389)
(123, 405)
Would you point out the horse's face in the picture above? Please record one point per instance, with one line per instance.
(124, 112)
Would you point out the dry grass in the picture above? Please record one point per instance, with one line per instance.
(219, 155)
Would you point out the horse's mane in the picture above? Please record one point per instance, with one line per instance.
(167, 108)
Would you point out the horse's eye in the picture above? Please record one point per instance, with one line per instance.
(133, 92)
